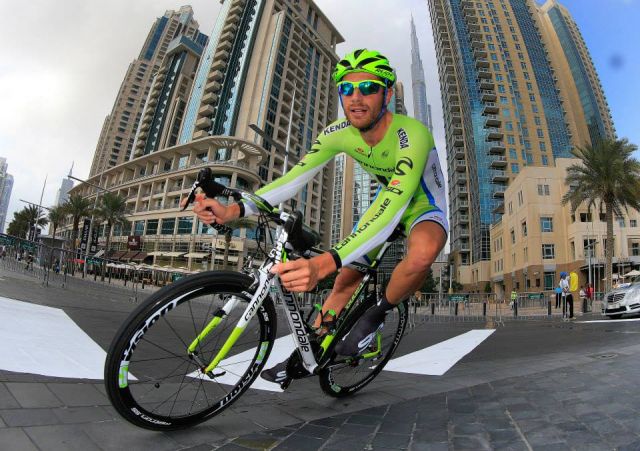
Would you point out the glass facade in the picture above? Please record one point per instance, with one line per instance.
(595, 123)
(157, 34)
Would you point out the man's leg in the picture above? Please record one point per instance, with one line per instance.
(425, 242)
(346, 283)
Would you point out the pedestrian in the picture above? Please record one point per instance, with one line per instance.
(558, 296)
(583, 299)
(567, 297)
(514, 298)
(590, 294)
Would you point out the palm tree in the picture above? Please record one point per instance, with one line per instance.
(112, 210)
(232, 225)
(77, 207)
(606, 176)
(26, 219)
(56, 218)
(19, 225)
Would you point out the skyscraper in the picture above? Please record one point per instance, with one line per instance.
(505, 101)
(6, 186)
(262, 55)
(421, 108)
(63, 192)
(115, 144)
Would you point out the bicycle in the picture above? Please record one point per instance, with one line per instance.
(187, 353)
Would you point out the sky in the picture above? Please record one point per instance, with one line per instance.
(62, 67)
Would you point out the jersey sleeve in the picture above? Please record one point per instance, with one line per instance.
(386, 211)
(325, 147)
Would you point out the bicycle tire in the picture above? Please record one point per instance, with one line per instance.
(150, 379)
(331, 377)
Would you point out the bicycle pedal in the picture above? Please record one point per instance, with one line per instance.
(285, 384)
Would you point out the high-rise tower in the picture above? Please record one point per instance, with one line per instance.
(6, 186)
(507, 104)
(115, 144)
(421, 108)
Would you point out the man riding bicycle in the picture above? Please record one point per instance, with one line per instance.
(400, 152)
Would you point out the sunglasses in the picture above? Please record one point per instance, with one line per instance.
(366, 87)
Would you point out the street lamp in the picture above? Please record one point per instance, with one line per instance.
(95, 205)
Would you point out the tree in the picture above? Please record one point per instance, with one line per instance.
(112, 210)
(56, 218)
(26, 219)
(77, 207)
(232, 225)
(429, 284)
(606, 176)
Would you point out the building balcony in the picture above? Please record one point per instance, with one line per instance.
(482, 63)
(475, 34)
(454, 106)
(209, 98)
(486, 84)
(492, 120)
(461, 191)
(480, 52)
(495, 134)
(458, 153)
(206, 110)
(473, 27)
(456, 118)
(460, 178)
(203, 123)
(460, 166)
(498, 194)
(463, 219)
(499, 163)
(457, 141)
(484, 73)
(490, 108)
(450, 77)
(463, 204)
(477, 44)
(461, 231)
(464, 246)
(497, 148)
(218, 65)
(487, 95)
(499, 177)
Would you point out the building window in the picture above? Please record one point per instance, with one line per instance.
(621, 222)
(546, 224)
(168, 225)
(548, 251)
(185, 224)
(635, 249)
(633, 223)
(515, 168)
(543, 190)
(152, 227)
(549, 280)
(513, 236)
(585, 217)
(138, 228)
(520, 198)
(524, 228)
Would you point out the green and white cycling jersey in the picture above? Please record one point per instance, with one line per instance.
(405, 162)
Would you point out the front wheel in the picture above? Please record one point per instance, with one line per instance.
(153, 380)
(343, 376)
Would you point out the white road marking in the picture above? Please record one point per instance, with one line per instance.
(439, 358)
(609, 320)
(44, 340)
(236, 365)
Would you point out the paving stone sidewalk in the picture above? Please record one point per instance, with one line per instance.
(593, 406)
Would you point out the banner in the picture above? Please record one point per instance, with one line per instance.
(84, 235)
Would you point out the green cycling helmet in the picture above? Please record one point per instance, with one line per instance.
(363, 60)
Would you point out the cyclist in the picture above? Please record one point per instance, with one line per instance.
(400, 152)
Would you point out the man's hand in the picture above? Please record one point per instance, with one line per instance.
(210, 210)
(304, 274)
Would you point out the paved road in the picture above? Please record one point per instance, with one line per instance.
(527, 385)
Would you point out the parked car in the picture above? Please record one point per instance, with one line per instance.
(624, 300)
